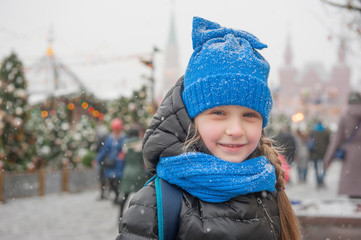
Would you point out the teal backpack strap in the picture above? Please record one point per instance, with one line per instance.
(151, 179)
(169, 203)
(158, 193)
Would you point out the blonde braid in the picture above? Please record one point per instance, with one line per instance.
(266, 148)
(289, 222)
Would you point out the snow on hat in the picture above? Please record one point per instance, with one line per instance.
(225, 69)
(116, 124)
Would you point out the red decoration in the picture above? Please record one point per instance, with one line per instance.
(91, 110)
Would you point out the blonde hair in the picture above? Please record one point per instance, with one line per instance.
(290, 228)
(193, 139)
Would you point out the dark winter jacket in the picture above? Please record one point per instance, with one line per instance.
(134, 175)
(253, 216)
(320, 138)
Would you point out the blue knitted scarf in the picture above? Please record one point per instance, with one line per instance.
(212, 179)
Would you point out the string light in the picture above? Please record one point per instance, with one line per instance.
(85, 105)
(44, 114)
(91, 110)
(71, 106)
(96, 113)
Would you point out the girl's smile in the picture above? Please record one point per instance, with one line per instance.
(230, 132)
(231, 147)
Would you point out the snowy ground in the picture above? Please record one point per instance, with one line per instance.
(81, 216)
(307, 200)
(76, 216)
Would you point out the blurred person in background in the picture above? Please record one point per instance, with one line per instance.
(285, 141)
(101, 132)
(134, 175)
(348, 136)
(318, 142)
(302, 155)
(111, 157)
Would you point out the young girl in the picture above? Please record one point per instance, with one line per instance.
(207, 138)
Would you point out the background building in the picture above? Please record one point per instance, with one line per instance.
(313, 91)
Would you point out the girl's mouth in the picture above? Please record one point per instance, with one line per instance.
(231, 147)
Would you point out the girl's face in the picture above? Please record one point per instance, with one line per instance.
(230, 132)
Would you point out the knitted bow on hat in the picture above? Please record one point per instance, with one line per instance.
(204, 30)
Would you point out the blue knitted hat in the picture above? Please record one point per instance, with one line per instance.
(225, 69)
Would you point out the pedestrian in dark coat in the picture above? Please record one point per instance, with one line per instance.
(101, 132)
(206, 138)
(350, 179)
(302, 156)
(318, 143)
(134, 174)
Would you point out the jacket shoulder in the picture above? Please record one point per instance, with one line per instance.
(140, 219)
(167, 130)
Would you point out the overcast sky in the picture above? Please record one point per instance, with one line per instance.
(111, 32)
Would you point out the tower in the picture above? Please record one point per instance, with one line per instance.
(340, 76)
(289, 89)
(171, 70)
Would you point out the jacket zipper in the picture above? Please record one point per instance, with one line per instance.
(268, 217)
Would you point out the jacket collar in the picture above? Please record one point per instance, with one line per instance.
(167, 130)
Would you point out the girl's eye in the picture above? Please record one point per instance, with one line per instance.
(217, 112)
(251, 115)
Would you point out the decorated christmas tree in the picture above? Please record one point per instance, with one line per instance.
(133, 110)
(57, 142)
(85, 137)
(59, 131)
(50, 124)
(15, 142)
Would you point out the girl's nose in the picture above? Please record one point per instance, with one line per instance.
(234, 128)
